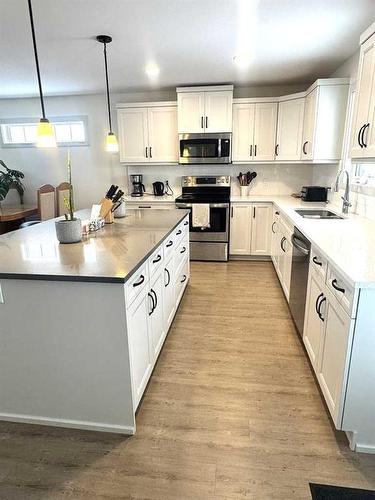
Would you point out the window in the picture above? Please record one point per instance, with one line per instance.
(364, 174)
(69, 131)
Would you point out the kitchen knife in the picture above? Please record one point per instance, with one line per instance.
(117, 196)
(111, 191)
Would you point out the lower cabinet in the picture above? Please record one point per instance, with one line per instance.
(169, 302)
(327, 337)
(157, 325)
(249, 229)
(282, 251)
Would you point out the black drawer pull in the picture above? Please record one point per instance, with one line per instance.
(316, 304)
(304, 147)
(178, 232)
(183, 250)
(152, 305)
(186, 223)
(144, 206)
(169, 244)
(336, 287)
(156, 299)
(273, 225)
(169, 276)
(141, 280)
(359, 136)
(315, 260)
(320, 308)
(184, 278)
(158, 259)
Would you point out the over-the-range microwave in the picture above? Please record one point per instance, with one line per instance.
(205, 148)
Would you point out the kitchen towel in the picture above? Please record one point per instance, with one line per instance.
(200, 215)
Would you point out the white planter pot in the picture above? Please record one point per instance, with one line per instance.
(244, 190)
(69, 231)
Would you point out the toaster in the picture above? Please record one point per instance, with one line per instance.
(314, 193)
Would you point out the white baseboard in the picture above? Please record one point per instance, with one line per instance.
(263, 258)
(358, 447)
(74, 424)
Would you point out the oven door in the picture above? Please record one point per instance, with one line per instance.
(204, 148)
(219, 223)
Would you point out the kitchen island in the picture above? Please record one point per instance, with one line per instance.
(82, 325)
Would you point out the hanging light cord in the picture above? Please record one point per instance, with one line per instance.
(36, 59)
(107, 83)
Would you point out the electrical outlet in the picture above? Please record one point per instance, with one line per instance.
(1, 295)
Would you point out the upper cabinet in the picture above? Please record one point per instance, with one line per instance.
(148, 133)
(205, 109)
(363, 139)
(324, 120)
(254, 131)
(289, 129)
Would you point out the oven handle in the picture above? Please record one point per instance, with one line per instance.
(211, 205)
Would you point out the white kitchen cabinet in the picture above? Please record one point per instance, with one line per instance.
(240, 229)
(289, 129)
(254, 131)
(205, 109)
(260, 229)
(148, 133)
(283, 252)
(309, 124)
(138, 327)
(275, 238)
(363, 139)
(313, 330)
(157, 325)
(169, 293)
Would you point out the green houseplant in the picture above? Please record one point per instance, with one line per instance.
(10, 179)
(69, 230)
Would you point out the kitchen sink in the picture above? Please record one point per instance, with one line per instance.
(318, 214)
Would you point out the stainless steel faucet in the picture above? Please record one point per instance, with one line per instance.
(345, 199)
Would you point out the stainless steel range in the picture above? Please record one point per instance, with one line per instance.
(211, 241)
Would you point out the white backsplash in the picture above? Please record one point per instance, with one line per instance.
(272, 179)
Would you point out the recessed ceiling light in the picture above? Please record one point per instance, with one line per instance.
(242, 60)
(152, 70)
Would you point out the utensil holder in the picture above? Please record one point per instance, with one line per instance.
(244, 190)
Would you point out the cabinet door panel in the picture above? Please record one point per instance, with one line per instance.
(138, 334)
(156, 318)
(309, 125)
(169, 293)
(363, 111)
(314, 326)
(190, 112)
(243, 132)
(133, 135)
(265, 131)
(289, 129)
(240, 229)
(163, 137)
(333, 360)
(260, 231)
(218, 111)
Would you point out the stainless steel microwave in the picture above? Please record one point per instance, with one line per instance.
(205, 148)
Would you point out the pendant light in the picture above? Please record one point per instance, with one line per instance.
(45, 132)
(111, 139)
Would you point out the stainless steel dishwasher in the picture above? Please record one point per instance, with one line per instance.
(299, 277)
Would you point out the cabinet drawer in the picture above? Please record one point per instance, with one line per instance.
(182, 278)
(155, 260)
(181, 230)
(136, 283)
(318, 263)
(341, 289)
(180, 253)
(169, 245)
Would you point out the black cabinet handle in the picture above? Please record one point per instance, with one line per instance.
(363, 135)
(146, 152)
(153, 304)
(186, 223)
(320, 308)
(277, 150)
(169, 276)
(231, 212)
(201, 121)
(359, 137)
(255, 150)
(144, 206)
(183, 250)
(315, 260)
(281, 243)
(178, 232)
(150, 151)
(158, 259)
(156, 298)
(251, 150)
(316, 303)
(169, 244)
(206, 122)
(277, 213)
(141, 280)
(184, 278)
(254, 212)
(336, 287)
(273, 225)
(304, 147)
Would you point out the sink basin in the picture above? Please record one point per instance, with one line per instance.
(318, 214)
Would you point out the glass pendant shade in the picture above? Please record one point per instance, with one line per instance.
(45, 134)
(111, 144)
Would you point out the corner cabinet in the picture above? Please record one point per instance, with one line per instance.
(148, 133)
(204, 109)
(254, 131)
(249, 229)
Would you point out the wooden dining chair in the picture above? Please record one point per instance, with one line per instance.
(46, 205)
(62, 191)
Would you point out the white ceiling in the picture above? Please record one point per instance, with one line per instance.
(192, 41)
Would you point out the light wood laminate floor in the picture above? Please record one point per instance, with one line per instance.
(232, 411)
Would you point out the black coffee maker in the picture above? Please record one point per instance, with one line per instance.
(138, 186)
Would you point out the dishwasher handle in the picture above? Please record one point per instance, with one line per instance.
(299, 244)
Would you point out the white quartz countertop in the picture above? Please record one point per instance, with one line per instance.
(349, 243)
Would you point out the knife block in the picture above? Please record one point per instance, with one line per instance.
(105, 211)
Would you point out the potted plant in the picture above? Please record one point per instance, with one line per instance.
(11, 179)
(69, 230)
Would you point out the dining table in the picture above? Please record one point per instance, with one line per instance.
(11, 216)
